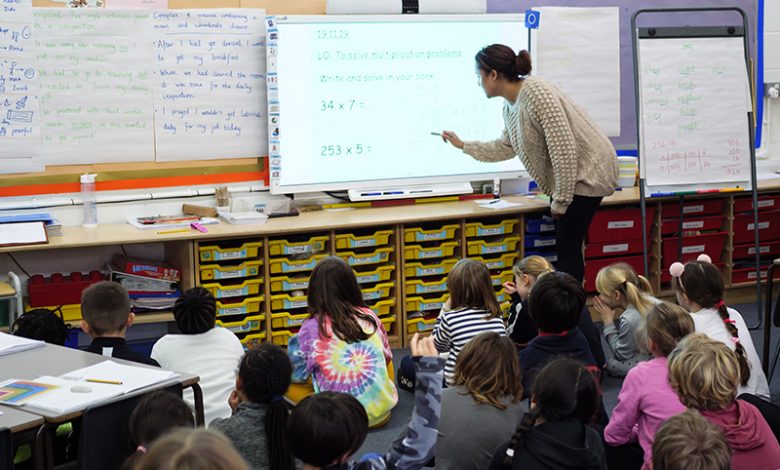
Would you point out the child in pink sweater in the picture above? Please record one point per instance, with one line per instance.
(705, 374)
(646, 399)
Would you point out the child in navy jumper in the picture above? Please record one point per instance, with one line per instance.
(554, 305)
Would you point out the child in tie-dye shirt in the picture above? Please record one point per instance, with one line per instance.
(343, 346)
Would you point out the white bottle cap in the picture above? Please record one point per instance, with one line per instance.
(88, 177)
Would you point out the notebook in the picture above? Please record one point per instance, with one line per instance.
(10, 344)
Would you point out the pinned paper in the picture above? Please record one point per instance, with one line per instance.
(148, 4)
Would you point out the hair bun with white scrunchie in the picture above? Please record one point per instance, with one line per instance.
(676, 269)
(704, 258)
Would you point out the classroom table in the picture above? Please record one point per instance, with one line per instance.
(57, 360)
(24, 427)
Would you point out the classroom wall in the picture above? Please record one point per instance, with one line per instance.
(772, 73)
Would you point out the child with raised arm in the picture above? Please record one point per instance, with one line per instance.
(325, 429)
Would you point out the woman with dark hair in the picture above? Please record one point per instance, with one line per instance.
(572, 161)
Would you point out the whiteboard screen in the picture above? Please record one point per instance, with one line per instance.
(358, 99)
(694, 100)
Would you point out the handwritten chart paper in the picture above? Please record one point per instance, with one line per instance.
(693, 110)
(20, 134)
(96, 86)
(209, 71)
(562, 59)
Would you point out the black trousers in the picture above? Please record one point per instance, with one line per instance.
(570, 233)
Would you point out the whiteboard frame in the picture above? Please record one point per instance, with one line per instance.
(276, 159)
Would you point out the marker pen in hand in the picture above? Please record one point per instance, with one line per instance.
(438, 134)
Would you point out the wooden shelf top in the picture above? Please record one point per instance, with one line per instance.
(324, 220)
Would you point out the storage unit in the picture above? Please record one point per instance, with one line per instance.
(768, 226)
(303, 245)
(245, 306)
(245, 325)
(346, 241)
(229, 251)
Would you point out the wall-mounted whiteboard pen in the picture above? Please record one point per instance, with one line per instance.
(436, 133)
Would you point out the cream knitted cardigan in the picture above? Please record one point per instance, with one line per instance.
(559, 144)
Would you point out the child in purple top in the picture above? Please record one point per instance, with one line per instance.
(646, 399)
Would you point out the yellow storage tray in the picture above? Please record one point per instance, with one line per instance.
(501, 262)
(70, 312)
(380, 255)
(380, 274)
(419, 234)
(252, 339)
(418, 304)
(382, 307)
(442, 250)
(247, 306)
(420, 324)
(377, 292)
(479, 229)
(216, 253)
(387, 322)
(288, 302)
(498, 280)
(246, 288)
(481, 247)
(286, 265)
(286, 283)
(248, 324)
(418, 286)
(429, 269)
(282, 337)
(348, 240)
(216, 271)
(313, 245)
(287, 320)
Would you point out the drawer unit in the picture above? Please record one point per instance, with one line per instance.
(481, 229)
(420, 324)
(248, 250)
(251, 323)
(670, 226)
(442, 250)
(210, 272)
(348, 240)
(379, 291)
(288, 302)
(440, 268)
(613, 249)
(287, 265)
(287, 319)
(768, 227)
(251, 340)
(483, 247)
(420, 234)
(765, 203)
(418, 304)
(420, 286)
(614, 225)
(311, 245)
(692, 247)
(370, 276)
(241, 289)
(380, 255)
(247, 306)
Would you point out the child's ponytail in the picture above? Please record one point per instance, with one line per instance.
(516, 442)
(731, 326)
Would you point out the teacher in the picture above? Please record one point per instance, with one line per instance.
(572, 161)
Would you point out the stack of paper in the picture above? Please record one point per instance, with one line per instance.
(241, 218)
(10, 344)
(131, 377)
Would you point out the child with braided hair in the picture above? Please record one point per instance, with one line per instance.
(201, 349)
(41, 324)
(556, 433)
(260, 412)
(623, 302)
(699, 288)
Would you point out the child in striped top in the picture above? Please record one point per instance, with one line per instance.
(471, 309)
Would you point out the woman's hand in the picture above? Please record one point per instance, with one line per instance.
(510, 288)
(606, 312)
(555, 214)
(423, 346)
(452, 138)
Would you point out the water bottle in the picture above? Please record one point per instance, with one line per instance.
(88, 199)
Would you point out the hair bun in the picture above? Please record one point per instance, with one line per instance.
(523, 63)
(676, 269)
(704, 258)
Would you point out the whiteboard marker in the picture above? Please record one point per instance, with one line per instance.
(436, 133)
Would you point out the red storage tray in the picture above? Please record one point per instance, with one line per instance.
(714, 222)
(748, 250)
(58, 289)
(765, 203)
(612, 249)
(693, 208)
(666, 277)
(610, 225)
(768, 227)
(592, 268)
(749, 274)
(710, 244)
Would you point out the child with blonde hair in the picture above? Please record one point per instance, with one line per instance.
(699, 288)
(342, 346)
(623, 301)
(705, 373)
(646, 399)
(690, 442)
(520, 327)
(471, 309)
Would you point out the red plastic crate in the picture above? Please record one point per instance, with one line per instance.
(610, 225)
(592, 268)
(612, 249)
(749, 274)
(693, 208)
(768, 227)
(58, 289)
(710, 244)
(714, 222)
(765, 203)
(748, 250)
